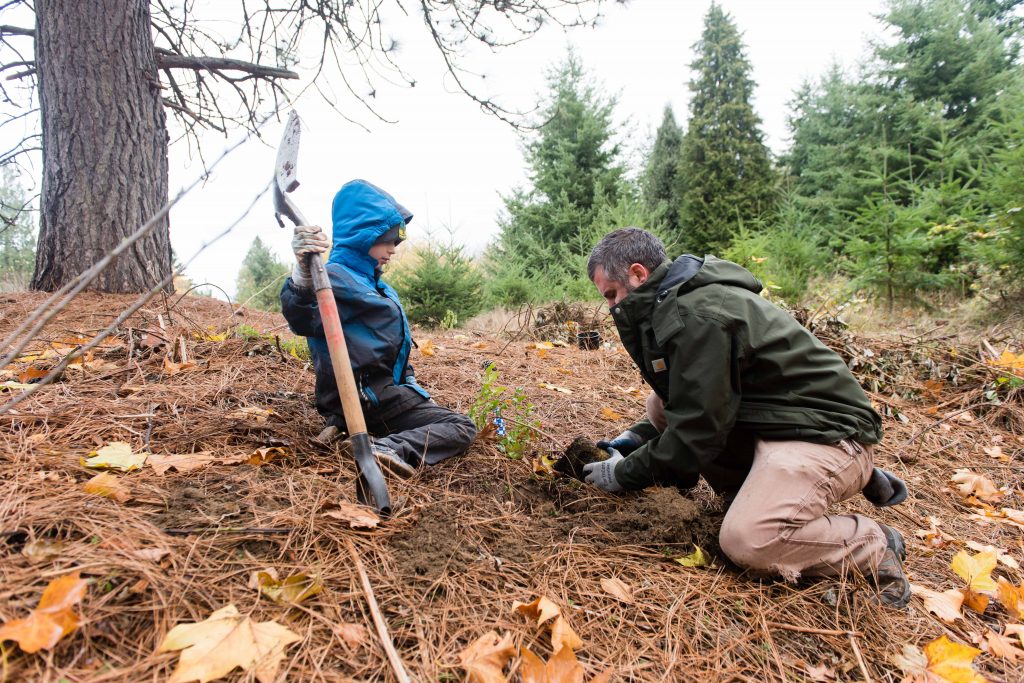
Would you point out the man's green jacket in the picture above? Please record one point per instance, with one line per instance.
(731, 367)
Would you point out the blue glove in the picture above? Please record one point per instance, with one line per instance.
(602, 473)
(885, 489)
(625, 443)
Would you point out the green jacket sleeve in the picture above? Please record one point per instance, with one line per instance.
(703, 401)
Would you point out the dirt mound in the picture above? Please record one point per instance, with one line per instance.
(663, 516)
(431, 546)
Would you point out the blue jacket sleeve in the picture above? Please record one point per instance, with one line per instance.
(298, 305)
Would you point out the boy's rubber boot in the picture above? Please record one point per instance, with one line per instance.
(892, 584)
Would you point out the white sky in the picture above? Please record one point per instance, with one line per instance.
(447, 161)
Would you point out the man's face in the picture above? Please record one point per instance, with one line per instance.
(614, 291)
(383, 251)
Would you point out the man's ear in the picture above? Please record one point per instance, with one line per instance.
(638, 274)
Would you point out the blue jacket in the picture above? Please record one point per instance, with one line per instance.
(376, 330)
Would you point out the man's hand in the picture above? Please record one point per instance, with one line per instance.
(307, 239)
(602, 473)
(885, 488)
(625, 443)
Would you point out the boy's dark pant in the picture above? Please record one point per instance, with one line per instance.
(424, 432)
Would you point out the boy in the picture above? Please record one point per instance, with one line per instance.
(408, 428)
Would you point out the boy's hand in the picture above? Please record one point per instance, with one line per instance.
(307, 239)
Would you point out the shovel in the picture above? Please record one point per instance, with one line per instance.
(371, 488)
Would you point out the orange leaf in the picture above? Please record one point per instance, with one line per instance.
(609, 414)
(1001, 646)
(1011, 597)
(352, 635)
(427, 348)
(531, 667)
(563, 637)
(952, 661)
(32, 372)
(261, 456)
(52, 619)
(539, 610)
(485, 658)
(563, 667)
(945, 605)
(976, 601)
(107, 485)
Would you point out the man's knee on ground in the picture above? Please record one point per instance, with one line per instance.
(749, 548)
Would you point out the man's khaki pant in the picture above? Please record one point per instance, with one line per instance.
(777, 522)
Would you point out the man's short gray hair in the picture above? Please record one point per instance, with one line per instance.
(621, 248)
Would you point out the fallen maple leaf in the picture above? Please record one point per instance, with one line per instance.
(1015, 630)
(697, 558)
(262, 456)
(617, 589)
(1003, 556)
(609, 414)
(107, 485)
(1000, 645)
(977, 485)
(945, 605)
(977, 572)
(1011, 597)
(995, 452)
(357, 516)
(32, 372)
(290, 590)
(352, 635)
(116, 455)
(485, 659)
(172, 368)
(540, 610)
(563, 636)
(561, 668)
(224, 641)
(187, 462)
(427, 348)
(1014, 517)
(52, 619)
(942, 661)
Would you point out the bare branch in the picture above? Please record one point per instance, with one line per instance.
(17, 31)
(166, 59)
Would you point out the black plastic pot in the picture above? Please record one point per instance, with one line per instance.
(588, 340)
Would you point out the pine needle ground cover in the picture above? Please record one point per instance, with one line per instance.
(232, 550)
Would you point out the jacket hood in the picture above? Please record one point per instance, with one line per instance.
(690, 272)
(360, 214)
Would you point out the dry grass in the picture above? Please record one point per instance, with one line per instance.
(468, 537)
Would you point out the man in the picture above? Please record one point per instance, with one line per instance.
(408, 428)
(748, 398)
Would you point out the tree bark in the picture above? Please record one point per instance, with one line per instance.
(104, 143)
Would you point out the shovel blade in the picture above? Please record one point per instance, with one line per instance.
(286, 168)
(371, 489)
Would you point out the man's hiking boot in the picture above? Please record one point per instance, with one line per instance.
(891, 582)
(389, 460)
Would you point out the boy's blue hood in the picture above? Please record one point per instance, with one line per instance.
(361, 213)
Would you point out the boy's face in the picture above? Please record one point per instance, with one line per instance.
(383, 251)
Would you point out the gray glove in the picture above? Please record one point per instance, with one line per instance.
(624, 443)
(602, 473)
(885, 489)
(307, 239)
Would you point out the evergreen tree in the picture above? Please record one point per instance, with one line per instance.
(260, 278)
(727, 178)
(660, 182)
(17, 235)
(442, 287)
(573, 170)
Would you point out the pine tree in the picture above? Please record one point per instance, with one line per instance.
(441, 288)
(660, 182)
(260, 278)
(727, 178)
(573, 170)
(17, 236)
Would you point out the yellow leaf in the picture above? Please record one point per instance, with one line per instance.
(695, 559)
(942, 661)
(427, 348)
(357, 516)
(617, 589)
(262, 456)
(290, 590)
(1011, 598)
(117, 455)
(1014, 362)
(945, 605)
(1001, 646)
(225, 641)
(1003, 556)
(52, 619)
(485, 659)
(107, 485)
(975, 570)
(542, 345)
(609, 414)
(542, 353)
(562, 636)
(543, 465)
(977, 485)
(540, 610)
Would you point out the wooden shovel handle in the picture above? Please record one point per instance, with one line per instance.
(350, 405)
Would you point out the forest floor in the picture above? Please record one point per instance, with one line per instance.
(472, 536)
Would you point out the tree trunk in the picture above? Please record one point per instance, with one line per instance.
(104, 143)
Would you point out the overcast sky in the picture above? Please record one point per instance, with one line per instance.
(448, 162)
